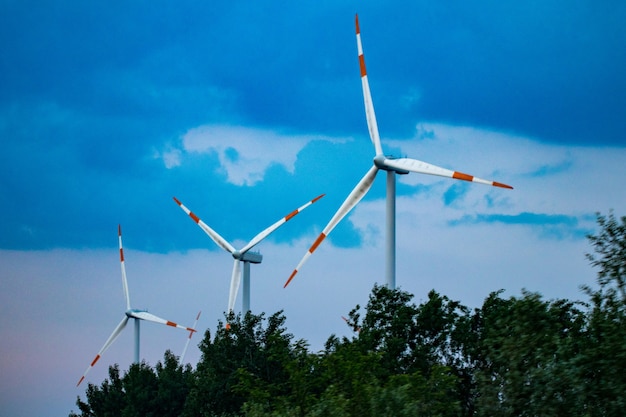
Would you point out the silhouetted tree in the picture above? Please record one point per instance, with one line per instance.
(245, 362)
(106, 400)
(610, 253)
(527, 352)
(604, 355)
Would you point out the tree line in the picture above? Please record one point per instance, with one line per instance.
(513, 356)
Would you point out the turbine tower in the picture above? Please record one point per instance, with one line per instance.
(393, 166)
(130, 313)
(242, 255)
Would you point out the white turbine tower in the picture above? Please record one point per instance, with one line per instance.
(393, 166)
(243, 254)
(130, 313)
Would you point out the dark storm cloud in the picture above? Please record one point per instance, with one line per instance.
(91, 92)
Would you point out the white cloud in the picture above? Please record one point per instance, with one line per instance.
(171, 156)
(245, 154)
(548, 178)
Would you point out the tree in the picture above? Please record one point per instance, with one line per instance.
(173, 386)
(526, 356)
(107, 400)
(140, 387)
(348, 372)
(415, 395)
(245, 363)
(402, 348)
(610, 253)
(604, 355)
(388, 329)
(141, 391)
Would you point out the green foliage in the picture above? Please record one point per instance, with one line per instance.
(610, 253)
(174, 382)
(142, 391)
(414, 395)
(516, 356)
(245, 363)
(603, 359)
(526, 349)
(104, 401)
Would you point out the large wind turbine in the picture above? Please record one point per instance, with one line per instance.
(131, 313)
(243, 254)
(393, 166)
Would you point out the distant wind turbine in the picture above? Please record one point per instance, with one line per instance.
(243, 254)
(130, 313)
(393, 166)
(191, 332)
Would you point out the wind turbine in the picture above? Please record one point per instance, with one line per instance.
(130, 313)
(191, 332)
(243, 254)
(393, 166)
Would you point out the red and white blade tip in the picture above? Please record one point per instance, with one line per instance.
(312, 249)
(293, 274)
(93, 362)
(317, 198)
(191, 214)
(466, 177)
(499, 184)
(296, 211)
(172, 324)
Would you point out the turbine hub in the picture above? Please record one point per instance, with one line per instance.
(379, 162)
(131, 312)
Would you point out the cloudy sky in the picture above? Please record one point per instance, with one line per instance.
(245, 111)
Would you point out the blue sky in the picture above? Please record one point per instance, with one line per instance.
(245, 112)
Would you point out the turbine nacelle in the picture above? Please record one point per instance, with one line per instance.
(133, 313)
(252, 257)
(380, 162)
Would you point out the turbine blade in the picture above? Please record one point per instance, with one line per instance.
(144, 315)
(108, 343)
(276, 225)
(413, 165)
(367, 95)
(195, 323)
(234, 285)
(219, 240)
(352, 200)
(124, 281)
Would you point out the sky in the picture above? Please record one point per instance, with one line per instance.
(245, 111)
